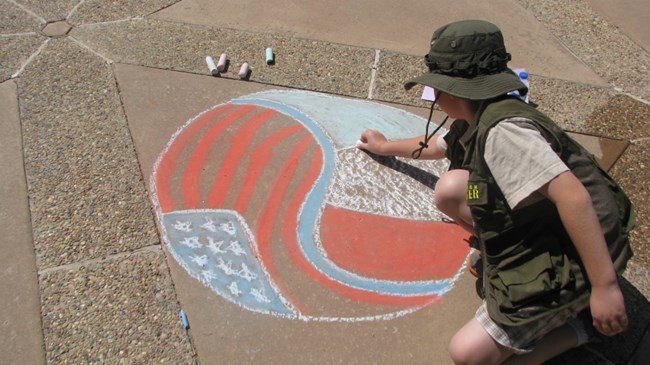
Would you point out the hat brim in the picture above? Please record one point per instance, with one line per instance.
(481, 87)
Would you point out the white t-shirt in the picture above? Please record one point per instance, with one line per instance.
(521, 160)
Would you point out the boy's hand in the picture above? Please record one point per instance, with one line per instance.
(608, 309)
(375, 142)
(371, 141)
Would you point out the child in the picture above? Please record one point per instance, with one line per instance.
(552, 226)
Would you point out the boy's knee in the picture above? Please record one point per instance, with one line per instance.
(443, 192)
(450, 189)
(459, 351)
(468, 347)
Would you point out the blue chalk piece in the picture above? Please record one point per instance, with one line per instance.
(269, 56)
(186, 324)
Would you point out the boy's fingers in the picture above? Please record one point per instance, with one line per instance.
(613, 328)
(603, 328)
(624, 322)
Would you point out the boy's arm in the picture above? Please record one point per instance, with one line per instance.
(375, 142)
(581, 222)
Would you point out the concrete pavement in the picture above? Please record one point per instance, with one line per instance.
(91, 103)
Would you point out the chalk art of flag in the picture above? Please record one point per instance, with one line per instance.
(266, 200)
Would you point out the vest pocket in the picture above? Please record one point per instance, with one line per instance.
(530, 274)
(524, 283)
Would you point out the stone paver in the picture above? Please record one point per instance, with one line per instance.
(21, 338)
(56, 29)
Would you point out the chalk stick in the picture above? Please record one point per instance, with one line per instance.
(221, 65)
(243, 70)
(213, 68)
(186, 324)
(270, 57)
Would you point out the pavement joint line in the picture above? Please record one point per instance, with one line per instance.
(138, 18)
(30, 59)
(9, 35)
(25, 9)
(112, 257)
(163, 8)
(86, 47)
(581, 59)
(373, 73)
(640, 140)
(74, 10)
(646, 102)
(575, 55)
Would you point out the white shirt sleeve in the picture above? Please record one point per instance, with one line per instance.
(520, 159)
(441, 143)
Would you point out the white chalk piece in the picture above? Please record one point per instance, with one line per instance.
(243, 70)
(221, 65)
(428, 94)
(213, 68)
(186, 324)
(270, 59)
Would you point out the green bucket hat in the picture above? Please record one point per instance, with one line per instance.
(468, 59)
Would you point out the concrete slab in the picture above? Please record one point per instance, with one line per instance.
(630, 16)
(86, 193)
(401, 27)
(605, 150)
(300, 63)
(318, 314)
(16, 20)
(96, 11)
(16, 51)
(49, 11)
(121, 309)
(599, 44)
(223, 332)
(21, 337)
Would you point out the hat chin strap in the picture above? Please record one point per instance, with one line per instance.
(425, 144)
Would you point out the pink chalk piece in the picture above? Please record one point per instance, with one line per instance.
(221, 65)
(243, 70)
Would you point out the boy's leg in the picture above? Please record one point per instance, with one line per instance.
(552, 344)
(451, 197)
(473, 345)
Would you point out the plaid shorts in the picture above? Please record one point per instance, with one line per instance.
(522, 339)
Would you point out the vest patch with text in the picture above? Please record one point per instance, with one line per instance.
(476, 193)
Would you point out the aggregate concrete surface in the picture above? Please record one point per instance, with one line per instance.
(90, 92)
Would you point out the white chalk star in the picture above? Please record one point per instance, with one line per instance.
(200, 260)
(236, 248)
(228, 228)
(209, 225)
(259, 295)
(215, 247)
(234, 289)
(183, 226)
(208, 275)
(226, 267)
(246, 274)
(192, 242)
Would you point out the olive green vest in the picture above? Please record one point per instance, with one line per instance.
(532, 269)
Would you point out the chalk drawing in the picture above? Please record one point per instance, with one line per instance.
(265, 200)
